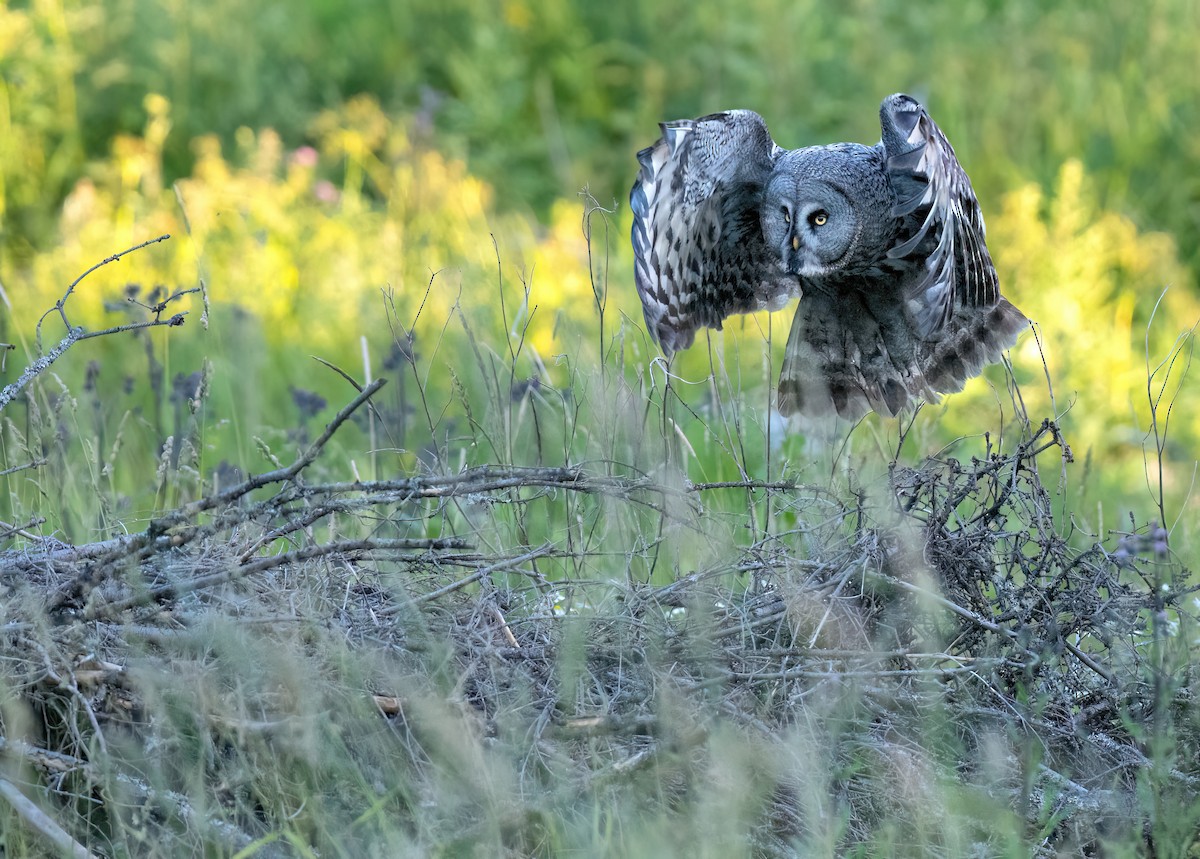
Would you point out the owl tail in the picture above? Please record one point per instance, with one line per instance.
(851, 363)
(826, 368)
(973, 338)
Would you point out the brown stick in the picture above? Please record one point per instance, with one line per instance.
(280, 475)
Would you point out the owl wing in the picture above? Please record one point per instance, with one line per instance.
(931, 185)
(699, 251)
(858, 350)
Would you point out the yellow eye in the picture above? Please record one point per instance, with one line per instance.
(819, 219)
(787, 217)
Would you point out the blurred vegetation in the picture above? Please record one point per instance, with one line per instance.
(542, 97)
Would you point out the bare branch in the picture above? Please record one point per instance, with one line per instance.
(57, 763)
(61, 303)
(349, 548)
(75, 334)
(42, 823)
(281, 475)
(507, 563)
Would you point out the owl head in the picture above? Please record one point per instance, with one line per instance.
(821, 206)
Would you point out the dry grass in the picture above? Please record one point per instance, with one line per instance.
(472, 662)
(936, 640)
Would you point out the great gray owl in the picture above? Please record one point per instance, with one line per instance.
(884, 243)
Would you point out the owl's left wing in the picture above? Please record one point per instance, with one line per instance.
(929, 182)
(698, 245)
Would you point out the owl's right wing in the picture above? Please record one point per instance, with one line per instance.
(930, 183)
(698, 244)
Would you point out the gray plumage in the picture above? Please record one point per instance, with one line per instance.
(884, 244)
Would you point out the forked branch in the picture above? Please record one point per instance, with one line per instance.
(76, 333)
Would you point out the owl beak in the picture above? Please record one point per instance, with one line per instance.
(792, 261)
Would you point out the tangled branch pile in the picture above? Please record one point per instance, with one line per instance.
(344, 666)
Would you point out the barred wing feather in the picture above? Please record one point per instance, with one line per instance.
(699, 251)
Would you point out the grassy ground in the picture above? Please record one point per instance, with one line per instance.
(592, 646)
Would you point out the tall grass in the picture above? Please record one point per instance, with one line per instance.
(643, 630)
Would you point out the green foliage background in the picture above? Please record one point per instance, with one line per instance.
(311, 158)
